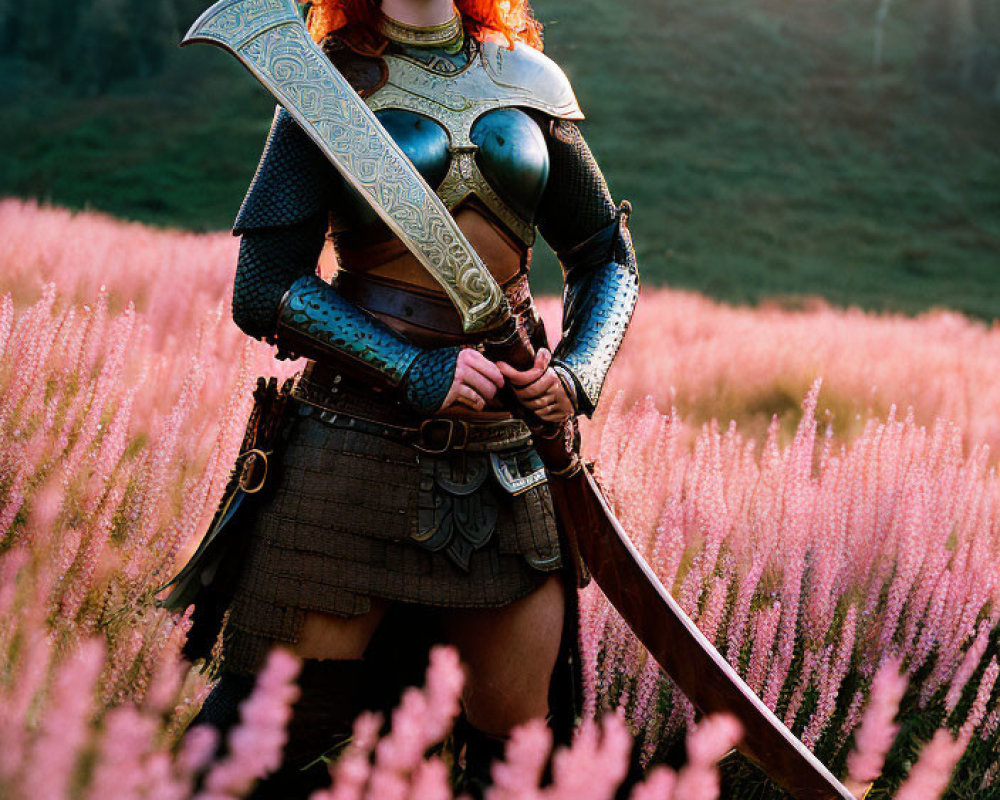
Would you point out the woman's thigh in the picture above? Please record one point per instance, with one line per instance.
(509, 654)
(329, 636)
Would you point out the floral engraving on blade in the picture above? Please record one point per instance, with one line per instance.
(243, 18)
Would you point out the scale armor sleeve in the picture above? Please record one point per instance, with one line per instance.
(315, 321)
(590, 235)
(269, 261)
(293, 182)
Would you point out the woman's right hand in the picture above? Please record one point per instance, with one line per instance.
(477, 381)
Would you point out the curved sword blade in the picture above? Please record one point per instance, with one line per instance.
(269, 39)
(680, 648)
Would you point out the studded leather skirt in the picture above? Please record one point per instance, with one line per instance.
(383, 505)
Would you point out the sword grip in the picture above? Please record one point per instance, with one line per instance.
(555, 442)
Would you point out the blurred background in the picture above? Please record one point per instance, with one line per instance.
(843, 148)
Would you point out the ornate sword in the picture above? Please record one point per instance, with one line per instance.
(268, 37)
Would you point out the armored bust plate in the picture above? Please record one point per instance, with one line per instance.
(494, 78)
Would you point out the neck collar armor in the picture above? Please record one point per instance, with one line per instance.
(449, 35)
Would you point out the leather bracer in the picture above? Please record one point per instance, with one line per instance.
(316, 322)
(601, 290)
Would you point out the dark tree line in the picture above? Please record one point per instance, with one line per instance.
(962, 46)
(89, 45)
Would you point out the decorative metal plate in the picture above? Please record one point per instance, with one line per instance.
(269, 38)
(494, 78)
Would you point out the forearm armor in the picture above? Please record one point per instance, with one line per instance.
(315, 321)
(579, 219)
(601, 290)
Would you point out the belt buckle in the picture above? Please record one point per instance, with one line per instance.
(450, 441)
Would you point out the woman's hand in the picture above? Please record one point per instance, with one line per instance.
(476, 382)
(539, 388)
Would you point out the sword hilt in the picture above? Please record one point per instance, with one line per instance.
(555, 442)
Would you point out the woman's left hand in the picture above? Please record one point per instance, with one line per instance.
(539, 388)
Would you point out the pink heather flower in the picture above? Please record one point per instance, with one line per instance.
(594, 765)
(125, 745)
(431, 781)
(518, 776)
(416, 725)
(929, 777)
(765, 628)
(255, 745)
(29, 677)
(443, 690)
(878, 731)
(197, 749)
(353, 768)
(968, 667)
(658, 785)
(48, 773)
(162, 779)
(830, 679)
(978, 711)
(709, 741)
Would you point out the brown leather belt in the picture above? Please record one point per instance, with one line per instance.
(341, 407)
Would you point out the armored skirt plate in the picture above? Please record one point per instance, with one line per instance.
(495, 78)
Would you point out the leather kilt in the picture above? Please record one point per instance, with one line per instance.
(372, 502)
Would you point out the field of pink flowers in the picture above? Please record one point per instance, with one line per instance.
(830, 537)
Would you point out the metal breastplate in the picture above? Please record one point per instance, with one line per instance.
(466, 131)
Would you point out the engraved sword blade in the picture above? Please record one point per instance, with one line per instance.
(269, 39)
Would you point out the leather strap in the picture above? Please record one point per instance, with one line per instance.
(414, 306)
(434, 435)
(435, 313)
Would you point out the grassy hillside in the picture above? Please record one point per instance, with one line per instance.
(763, 155)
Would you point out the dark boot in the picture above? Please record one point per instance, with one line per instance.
(475, 752)
(331, 698)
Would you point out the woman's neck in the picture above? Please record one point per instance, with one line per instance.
(422, 13)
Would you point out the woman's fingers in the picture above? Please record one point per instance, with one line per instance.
(480, 383)
(522, 379)
(468, 396)
(477, 362)
(477, 380)
(540, 388)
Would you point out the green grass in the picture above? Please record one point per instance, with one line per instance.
(763, 155)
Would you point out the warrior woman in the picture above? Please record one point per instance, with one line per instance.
(406, 483)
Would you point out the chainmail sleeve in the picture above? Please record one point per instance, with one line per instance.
(294, 182)
(579, 219)
(269, 262)
(282, 222)
(577, 202)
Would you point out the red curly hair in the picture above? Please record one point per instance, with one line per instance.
(508, 20)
